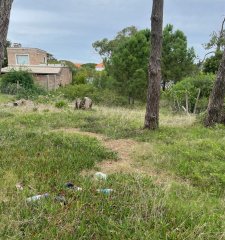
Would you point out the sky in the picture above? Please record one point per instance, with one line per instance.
(68, 28)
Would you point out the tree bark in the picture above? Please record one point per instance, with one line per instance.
(154, 72)
(5, 9)
(216, 100)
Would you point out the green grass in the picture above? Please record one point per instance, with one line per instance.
(189, 206)
(5, 98)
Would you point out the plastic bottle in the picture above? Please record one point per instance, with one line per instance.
(37, 197)
(100, 176)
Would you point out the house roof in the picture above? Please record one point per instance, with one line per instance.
(78, 65)
(100, 65)
(45, 69)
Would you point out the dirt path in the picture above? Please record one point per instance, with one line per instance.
(126, 149)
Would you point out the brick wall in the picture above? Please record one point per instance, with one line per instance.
(65, 76)
(36, 56)
(54, 81)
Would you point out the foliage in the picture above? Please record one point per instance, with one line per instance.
(72, 92)
(217, 40)
(102, 80)
(89, 65)
(5, 62)
(83, 75)
(51, 59)
(106, 47)
(190, 86)
(23, 78)
(177, 58)
(99, 96)
(20, 83)
(126, 59)
(61, 104)
(129, 63)
(211, 64)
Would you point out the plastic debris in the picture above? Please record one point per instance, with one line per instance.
(105, 191)
(19, 186)
(37, 197)
(100, 176)
(61, 199)
(71, 186)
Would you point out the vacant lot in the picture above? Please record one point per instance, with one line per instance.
(168, 184)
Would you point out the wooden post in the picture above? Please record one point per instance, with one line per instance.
(54, 82)
(47, 82)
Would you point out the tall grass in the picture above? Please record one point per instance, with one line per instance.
(190, 206)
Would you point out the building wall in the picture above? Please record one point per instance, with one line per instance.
(54, 81)
(48, 82)
(65, 76)
(36, 56)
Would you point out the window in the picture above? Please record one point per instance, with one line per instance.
(22, 59)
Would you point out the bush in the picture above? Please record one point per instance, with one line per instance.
(23, 78)
(104, 97)
(20, 83)
(72, 92)
(61, 104)
(190, 86)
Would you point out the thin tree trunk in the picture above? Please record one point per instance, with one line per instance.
(216, 101)
(197, 99)
(5, 9)
(153, 95)
(187, 102)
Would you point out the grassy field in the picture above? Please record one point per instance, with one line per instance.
(173, 188)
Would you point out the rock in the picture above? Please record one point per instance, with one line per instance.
(20, 102)
(77, 103)
(85, 103)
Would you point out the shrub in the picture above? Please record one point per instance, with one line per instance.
(104, 97)
(20, 83)
(72, 92)
(61, 104)
(23, 78)
(190, 86)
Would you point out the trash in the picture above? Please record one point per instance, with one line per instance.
(37, 197)
(61, 199)
(19, 186)
(71, 186)
(105, 191)
(100, 176)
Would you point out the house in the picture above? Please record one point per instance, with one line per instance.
(100, 67)
(34, 60)
(78, 65)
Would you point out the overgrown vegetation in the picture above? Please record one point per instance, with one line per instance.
(20, 83)
(187, 204)
(193, 90)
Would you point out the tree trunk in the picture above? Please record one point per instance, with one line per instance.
(215, 106)
(154, 72)
(5, 9)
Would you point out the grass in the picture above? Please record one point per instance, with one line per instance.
(189, 206)
(5, 98)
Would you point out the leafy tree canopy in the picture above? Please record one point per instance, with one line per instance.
(126, 59)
